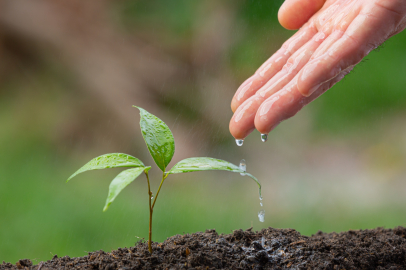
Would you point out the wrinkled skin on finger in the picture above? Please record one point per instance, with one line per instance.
(334, 36)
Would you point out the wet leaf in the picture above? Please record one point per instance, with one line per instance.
(158, 137)
(114, 160)
(207, 164)
(121, 181)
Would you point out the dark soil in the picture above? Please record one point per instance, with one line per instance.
(268, 249)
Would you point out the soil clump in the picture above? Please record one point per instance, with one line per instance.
(267, 249)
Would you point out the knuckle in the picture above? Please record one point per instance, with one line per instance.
(285, 45)
(397, 7)
(325, 16)
(396, 11)
(351, 40)
(328, 27)
(288, 64)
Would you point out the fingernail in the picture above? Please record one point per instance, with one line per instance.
(305, 78)
(311, 91)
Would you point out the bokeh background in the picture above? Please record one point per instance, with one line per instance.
(70, 71)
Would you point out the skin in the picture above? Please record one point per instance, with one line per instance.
(334, 36)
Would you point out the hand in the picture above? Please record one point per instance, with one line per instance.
(335, 35)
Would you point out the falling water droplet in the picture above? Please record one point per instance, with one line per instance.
(261, 215)
(260, 201)
(264, 137)
(239, 142)
(263, 241)
(243, 166)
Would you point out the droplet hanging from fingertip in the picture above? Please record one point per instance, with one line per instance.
(239, 142)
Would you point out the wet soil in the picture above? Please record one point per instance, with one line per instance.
(267, 249)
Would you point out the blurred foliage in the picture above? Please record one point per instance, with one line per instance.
(67, 83)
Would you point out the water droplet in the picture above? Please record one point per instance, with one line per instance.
(260, 201)
(264, 137)
(263, 241)
(243, 166)
(261, 215)
(239, 142)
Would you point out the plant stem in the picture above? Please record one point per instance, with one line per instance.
(150, 215)
(160, 185)
(151, 207)
(150, 230)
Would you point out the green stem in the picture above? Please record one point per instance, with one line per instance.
(160, 185)
(150, 215)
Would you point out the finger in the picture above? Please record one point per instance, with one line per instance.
(365, 33)
(287, 102)
(242, 122)
(275, 63)
(293, 65)
(294, 13)
(272, 65)
(335, 27)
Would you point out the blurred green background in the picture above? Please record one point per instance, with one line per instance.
(71, 70)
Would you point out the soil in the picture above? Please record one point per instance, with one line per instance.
(267, 249)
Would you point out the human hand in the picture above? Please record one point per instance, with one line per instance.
(335, 35)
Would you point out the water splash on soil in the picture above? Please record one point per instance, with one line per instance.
(261, 215)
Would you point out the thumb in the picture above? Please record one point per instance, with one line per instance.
(294, 13)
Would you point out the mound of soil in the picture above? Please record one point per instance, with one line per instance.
(268, 249)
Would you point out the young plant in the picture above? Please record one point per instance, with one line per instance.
(161, 146)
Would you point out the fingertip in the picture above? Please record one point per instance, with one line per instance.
(234, 105)
(293, 14)
(242, 122)
(232, 127)
(265, 125)
(237, 132)
(283, 17)
(278, 107)
(264, 128)
(265, 121)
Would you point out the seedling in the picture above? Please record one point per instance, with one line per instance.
(161, 146)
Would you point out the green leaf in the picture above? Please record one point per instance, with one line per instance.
(109, 161)
(121, 181)
(158, 138)
(207, 164)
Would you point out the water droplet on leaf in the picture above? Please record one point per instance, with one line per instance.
(243, 166)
